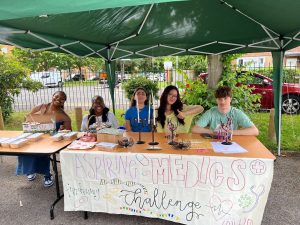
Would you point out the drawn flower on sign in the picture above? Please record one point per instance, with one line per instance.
(109, 196)
(245, 201)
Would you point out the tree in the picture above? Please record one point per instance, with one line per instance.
(36, 61)
(43, 61)
(13, 77)
(198, 63)
(95, 64)
(197, 92)
(130, 85)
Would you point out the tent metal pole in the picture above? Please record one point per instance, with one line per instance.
(144, 21)
(263, 47)
(177, 53)
(277, 87)
(115, 48)
(122, 50)
(200, 52)
(264, 41)
(200, 46)
(121, 57)
(244, 14)
(230, 50)
(268, 33)
(111, 78)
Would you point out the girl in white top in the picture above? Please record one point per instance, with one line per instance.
(99, 113)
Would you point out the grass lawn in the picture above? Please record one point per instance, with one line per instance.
(290, 131)
(290, 138)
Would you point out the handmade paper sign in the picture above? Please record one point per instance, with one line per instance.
(188, 189)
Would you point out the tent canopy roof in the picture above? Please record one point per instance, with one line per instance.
(137, 28)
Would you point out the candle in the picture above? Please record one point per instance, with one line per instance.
(149, 104)
(153, 108)
(137, 109)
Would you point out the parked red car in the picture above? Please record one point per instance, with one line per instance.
(263, 85)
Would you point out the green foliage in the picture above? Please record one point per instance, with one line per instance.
(195, 92)
(43, 61)
(12, 78)
(130, 85)
(242, 97)
(36, 61)
(289, 73)
(198, 63)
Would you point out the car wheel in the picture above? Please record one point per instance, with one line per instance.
(291, 104)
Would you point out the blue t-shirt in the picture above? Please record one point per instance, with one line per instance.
(131, 115)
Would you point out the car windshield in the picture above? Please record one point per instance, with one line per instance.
(46, 75)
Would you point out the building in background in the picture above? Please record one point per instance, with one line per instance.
(264, 59)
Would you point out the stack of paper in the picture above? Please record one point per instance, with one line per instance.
(106, 144)
(227, 149)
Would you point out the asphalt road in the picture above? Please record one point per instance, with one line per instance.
(282, 208)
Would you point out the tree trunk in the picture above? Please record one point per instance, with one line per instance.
(215, 70)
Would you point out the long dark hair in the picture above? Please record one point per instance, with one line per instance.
(92, 114)
(133, 101)
(161, 117)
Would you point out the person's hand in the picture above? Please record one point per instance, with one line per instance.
(181, 115)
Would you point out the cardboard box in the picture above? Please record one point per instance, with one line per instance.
(108, 138)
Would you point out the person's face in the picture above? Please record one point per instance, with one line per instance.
(97, 107)
(172, 97)
(140, 96)
(224, 104)
(58, 99)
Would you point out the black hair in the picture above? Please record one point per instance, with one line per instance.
(178, 105)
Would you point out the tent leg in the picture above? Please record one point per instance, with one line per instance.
(111, 78)
(277, 88)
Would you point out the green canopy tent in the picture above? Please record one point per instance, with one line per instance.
(134, 28)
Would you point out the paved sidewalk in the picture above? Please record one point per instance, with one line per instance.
(283, 205)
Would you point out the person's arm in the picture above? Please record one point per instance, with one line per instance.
(128, 116)
(202, 124)
(192, 110)
(67, 125)
(247, 131)
(247, 126)
(128, 125)
(35, 109)
(84, 124)
(38, 109)
(201, 130)
(113, 120)
(67, 122)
